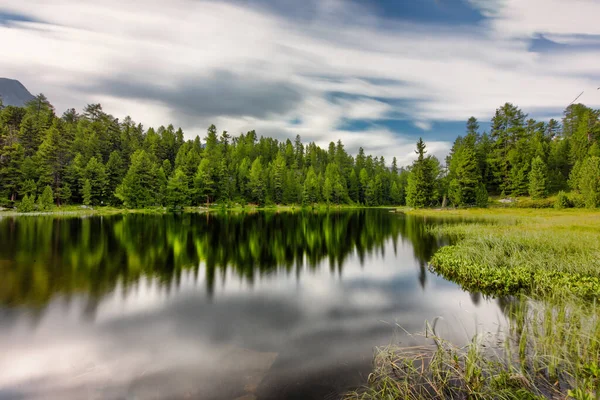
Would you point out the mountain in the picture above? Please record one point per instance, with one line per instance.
(13, 93)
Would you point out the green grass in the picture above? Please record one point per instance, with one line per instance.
(510, 251)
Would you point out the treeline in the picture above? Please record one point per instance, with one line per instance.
(521, 156)
(93, 158)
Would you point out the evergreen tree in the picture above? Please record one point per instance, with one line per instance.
(10, 170)
(115, 170)
(204, 185)
(27, 204)
(29, 188)
(327, 190)
(468, 177)
(87, 192)
(177, 190)
(257, 182)
(95, 173)
(136, 190)
(420, 190)
(46, 200)
(311, 188)
(589, 181)
(537, 179)
(278, 178)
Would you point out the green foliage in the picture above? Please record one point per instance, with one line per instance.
(589, 181)
(27, 204)
(29, 187)
(551, 252)
(562, 201)
(537, 179)
(95, 174)
(177, 190)
(138, 187)
(46, 200)
(87, 193)
(37, 146)
(420, 189)
(481, 197)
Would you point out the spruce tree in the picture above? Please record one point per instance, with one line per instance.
(420, 190)
(589, 181)
(27, 204)
(537, 179)
(46, 200)
(136, 189)
(177, 190)
(87, 192)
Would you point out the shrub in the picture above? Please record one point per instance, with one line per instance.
(562, 201)
(531, 203)
(27, 204)
(577, 200)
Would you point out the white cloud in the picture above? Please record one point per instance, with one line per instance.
(429, 73)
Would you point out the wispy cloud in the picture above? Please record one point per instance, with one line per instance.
(272, 66)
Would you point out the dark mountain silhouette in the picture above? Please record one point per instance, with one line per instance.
(13, 93)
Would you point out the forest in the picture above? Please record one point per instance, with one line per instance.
(95, 159)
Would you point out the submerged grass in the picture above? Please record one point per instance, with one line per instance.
(550, 351)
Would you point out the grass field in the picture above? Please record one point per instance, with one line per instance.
(510, 251)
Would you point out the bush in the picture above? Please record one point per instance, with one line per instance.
(562, 201)
(577, 200)
(27, 204)
(530, 203)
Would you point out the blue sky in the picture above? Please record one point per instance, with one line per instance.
(377, 74)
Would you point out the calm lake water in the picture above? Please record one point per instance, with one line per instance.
(208, 306)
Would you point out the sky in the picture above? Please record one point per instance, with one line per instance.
(373, 73)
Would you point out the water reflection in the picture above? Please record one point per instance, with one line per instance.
(45, 256)
(215, 306)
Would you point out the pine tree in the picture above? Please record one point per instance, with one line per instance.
(204, 185)
(87, 193)
(353, 186)
(537, 179)
(29, 188)
(177, 190)
(589, 181)
(257, 183)
(311, 188)
(115, 170)
(27, 204)
(11, 158)
(420, 190)
(136, 190)
(327, 190)
(95, 173)
(278, 178)
(46, 200)
(468, 176)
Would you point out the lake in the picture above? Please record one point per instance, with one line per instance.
(217, 306)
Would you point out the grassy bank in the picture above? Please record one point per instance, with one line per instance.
(511, 251)
(548, 263)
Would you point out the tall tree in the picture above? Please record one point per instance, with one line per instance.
(538, 179)
(420, 190)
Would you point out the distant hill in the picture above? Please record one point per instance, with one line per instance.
(13, 93)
